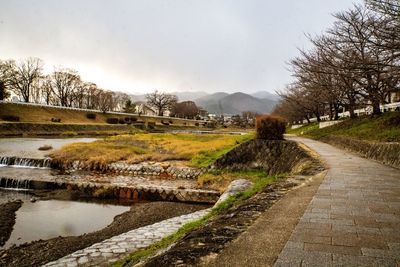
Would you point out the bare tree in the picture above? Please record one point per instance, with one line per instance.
(185, 109)
(4, 81)
(161, 101)
(64, 83)
(105, 100)
(23, 76)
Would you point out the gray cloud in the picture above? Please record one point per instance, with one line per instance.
(137, 46)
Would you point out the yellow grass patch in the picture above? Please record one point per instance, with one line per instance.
(199, 149)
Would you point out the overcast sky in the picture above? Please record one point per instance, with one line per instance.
(170, 45)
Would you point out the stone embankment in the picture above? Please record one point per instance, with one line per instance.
(111, 250)
(386, 153)
(155, 169)
(274, 157)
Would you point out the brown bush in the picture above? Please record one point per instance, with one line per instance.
(91, 116)
(270, 127)
(10, 118)
(112, 120)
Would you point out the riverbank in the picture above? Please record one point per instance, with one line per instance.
(7, 219)
(40, 252)
(376, 138)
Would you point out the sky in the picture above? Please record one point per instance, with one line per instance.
(170, 45)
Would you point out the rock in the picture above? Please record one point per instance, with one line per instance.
(235, 187)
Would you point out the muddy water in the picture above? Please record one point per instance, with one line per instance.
(28, 147)
(53, 218)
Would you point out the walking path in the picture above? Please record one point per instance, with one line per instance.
(113, 249)
(353, 219)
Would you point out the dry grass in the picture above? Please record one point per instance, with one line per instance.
(38, 114)
(197, 150)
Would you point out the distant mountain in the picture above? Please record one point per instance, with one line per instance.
(182, 96)
(224, 103)
(265, 94)
(236, 103)
(185, 96)
(210, 99)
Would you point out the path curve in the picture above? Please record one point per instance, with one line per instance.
(353, 219)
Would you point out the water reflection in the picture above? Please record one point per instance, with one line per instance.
(53, 218)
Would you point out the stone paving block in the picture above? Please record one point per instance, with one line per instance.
(344, 228)
(361, 261)
(372, 241)
(332, 249)
(380, 253)
(317, 259)
(348, 239)
(314, 225)
(283, 263)
(307, 238)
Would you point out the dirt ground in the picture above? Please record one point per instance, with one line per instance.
(7, 219)
(40, 252)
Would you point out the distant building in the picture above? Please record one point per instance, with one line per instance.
(143, 109)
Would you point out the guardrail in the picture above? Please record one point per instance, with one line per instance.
(99, 111)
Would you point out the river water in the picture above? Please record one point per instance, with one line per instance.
(48, 218)
(29, 147)
(53, 218)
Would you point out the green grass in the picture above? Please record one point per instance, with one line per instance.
(220, 179)
(382, 128)
(258, 186)
(304, 129)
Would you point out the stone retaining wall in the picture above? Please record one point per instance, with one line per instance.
(274, 157)
(115, 191)
(386, 153)
(154, 169)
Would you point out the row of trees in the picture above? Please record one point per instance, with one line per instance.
(356, 63)
(63, 87)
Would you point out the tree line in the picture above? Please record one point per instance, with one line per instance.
(354, 64)
(64, 87)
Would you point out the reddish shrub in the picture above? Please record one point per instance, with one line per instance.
(270, 127)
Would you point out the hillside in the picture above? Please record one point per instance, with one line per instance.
(235, 103)
(42, 114)
(266, 95)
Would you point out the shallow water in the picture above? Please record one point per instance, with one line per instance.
(12, 195)
(28, 147)
(53, 218)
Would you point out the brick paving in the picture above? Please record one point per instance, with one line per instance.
(354, 218)
(115, 248)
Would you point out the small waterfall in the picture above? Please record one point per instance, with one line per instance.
(15, 184)
(25, 162)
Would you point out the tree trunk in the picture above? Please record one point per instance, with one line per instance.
(330, 111)
(336, 110)
(351, 111)
(376, 110)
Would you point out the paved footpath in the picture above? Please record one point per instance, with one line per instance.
(115, 248)
(354, 218)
